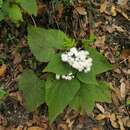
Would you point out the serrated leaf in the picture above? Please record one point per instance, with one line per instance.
(33, 90)
(100, 63)
(29, 6)
(2, 94)
(14, 13)
(88, 94)
(43, 42)
(57, 66)
(58, 95)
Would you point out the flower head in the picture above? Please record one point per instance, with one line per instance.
(78, 59)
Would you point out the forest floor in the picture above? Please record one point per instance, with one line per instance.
(110, 22)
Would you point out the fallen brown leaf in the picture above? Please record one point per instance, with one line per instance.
(113, 121)
(100, 117)
(123, 13)
(123, 90)
(100, 107)
(125, 54)
(103, 6)
(113, 10)
(100, 41)
(81, 10)
(126, 121)
(120, 123)
(95, 128)
(35, 128)
(63, 126)
(17, 96)
(2, 69)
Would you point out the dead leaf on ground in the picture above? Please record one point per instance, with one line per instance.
(123, 13)
(100, 107)
(3, 69)
(118, 28)
(35, 128)
(120, 123)
(100, 117)
(100, 41)
(103, 6)
(126, 121)
(113, 10)
(2, 128)
(81, 10)
(125, 54)
(123, 3)
(17, 58)
(123, 90)
(115, 99)
(63, 126)
(16, 95)
(95, 128)
(113, 121)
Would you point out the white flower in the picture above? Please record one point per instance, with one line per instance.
(68, 76)
(57, 76)
(87, 70)
(78, 59)
(70, 53)
(73, 50)
(64, 57)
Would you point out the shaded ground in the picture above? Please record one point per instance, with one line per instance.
(77, 20)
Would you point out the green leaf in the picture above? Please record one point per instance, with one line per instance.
(33, 90)
(88, 78)
(3, 94)
(57, 66)
(58, 95)
(14, 13)
(30, 6)
(88, 94)
(1, 15)
(43, 42)
(100, 63)
(1, 3)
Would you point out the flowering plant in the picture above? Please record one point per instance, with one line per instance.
(71, 73)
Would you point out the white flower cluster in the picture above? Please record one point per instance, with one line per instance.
(69, 76)
(78, 59)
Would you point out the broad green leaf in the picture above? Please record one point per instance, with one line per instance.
(43, 42)
(2, 94)
(14, 13)
(1, 15)
(33, 90)
(88, 78)
(88, 94)
(4, 9)
(59, 93)
(100, 63)
(57, 66)
(1, 3)
(30, 6)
